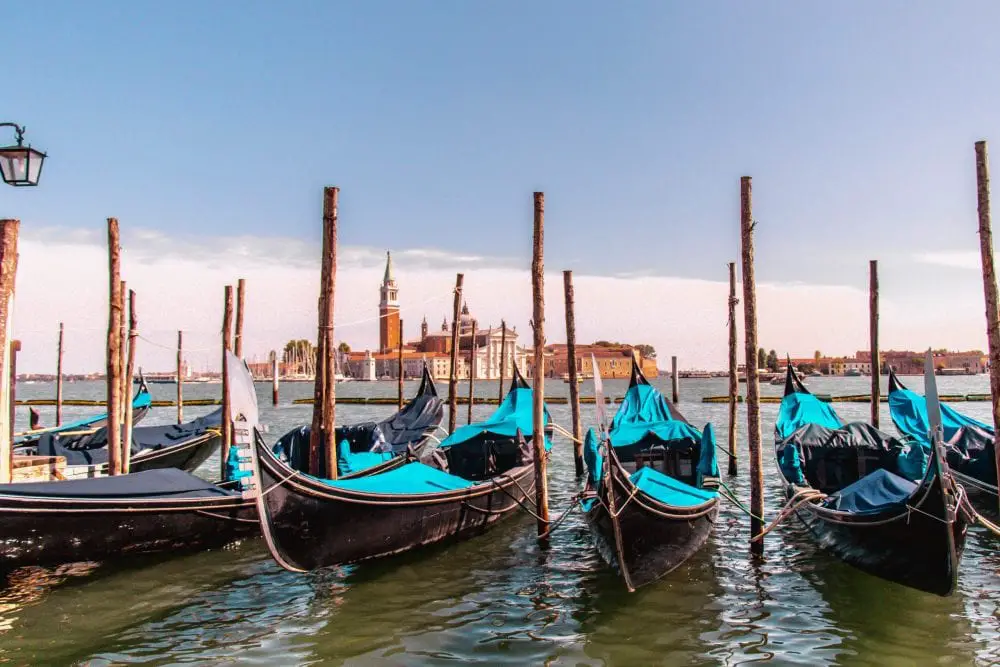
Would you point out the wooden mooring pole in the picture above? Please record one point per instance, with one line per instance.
(241, 303)
(114, 349)
(503, 357)
(133, 333)
(569, 299)
(989, 286)
(453, 374)
(322, 440)
(675, 389)
(753, 381)
(15, 347)
(873, 331)
(399, 399)
(472, 372)
(227, 337)
(59, 377)
(8, 269)
(275, 376)
(538, 376)
(734, 385)
(125, 392)
(180, 376)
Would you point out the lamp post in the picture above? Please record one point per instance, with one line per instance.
(20, 165)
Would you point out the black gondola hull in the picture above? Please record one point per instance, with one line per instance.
(914, 548)
(53, 532)
(645, 545)
(310, 525)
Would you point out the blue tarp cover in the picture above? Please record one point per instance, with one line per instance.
(411, 479)
(644, 412)
(350, 462)
(799, 409)
(513, 414)
(909, 412)
(593, 457)
(872, 493)
(160, 483)
(668, 490)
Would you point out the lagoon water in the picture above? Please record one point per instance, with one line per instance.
(499, 599)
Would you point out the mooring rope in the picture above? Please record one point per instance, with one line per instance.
(566, 434)
(799, 498)
(573, 504)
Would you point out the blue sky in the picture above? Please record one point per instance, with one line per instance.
(438, 119)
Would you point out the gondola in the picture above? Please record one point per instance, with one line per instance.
(481, 473)
(185, 446)
(878, 503)
(141, 404)
(968, 442)
(371, 447)
(647, 522)
(157, 511)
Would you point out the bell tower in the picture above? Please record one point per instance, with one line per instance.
(388, 310)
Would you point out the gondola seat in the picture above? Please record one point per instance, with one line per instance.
(872, 493)
(412, 478)
(349, 462)
(159, 483)
(668, 490)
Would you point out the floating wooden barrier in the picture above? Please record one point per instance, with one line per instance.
(79, 402)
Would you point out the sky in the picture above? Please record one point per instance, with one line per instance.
(210, 128)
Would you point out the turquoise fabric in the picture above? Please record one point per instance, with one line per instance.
(791, 465)
(912, 462)
(593, 457)
(909, 412)
(668, 490)
(644, 412)
(351, 462)
(142, 400)
(800, 409)
(515, 413)
(708, 465)
(233, 472)
(409, 479)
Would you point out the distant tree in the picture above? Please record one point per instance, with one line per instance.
(761, 358)
(817, 355)
(806, 368)
(298, 349)
(646, 351)
(344, 347)
(772, 361)
(604, 343)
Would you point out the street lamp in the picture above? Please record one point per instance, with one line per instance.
(20, 165)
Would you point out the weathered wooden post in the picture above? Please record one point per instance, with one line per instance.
(989, 286)
(241, 286)
(538, 393)
(180, 376)
(674, 380)
(399, 400)
(753, 381)
(59, 378)
(503, 357)
(275, 377)
(227, 337)
(574, 389)
(453, 375)
(133, 333)
(125, 394)
(733, 380)
(472, 372)
(8, 269)
(15, 347)
(114, 349)
(873, 330)
(323, 436)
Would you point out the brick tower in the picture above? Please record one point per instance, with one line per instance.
(388, 310)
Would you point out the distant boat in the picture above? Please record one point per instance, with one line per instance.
(852, 373)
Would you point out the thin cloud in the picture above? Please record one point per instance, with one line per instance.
(958, 259)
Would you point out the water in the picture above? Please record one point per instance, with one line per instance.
(499, 599)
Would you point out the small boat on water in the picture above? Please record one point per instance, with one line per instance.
(481, 473)
(968, 442)
(648, 521)
(185, 446)
(140, 407)
(852, 373)
(880, 504)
